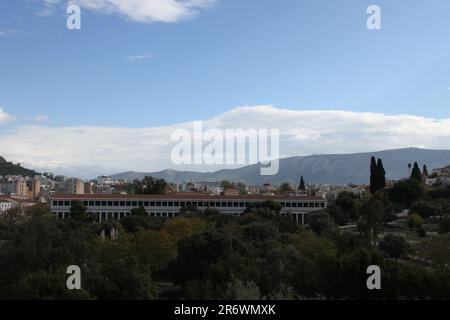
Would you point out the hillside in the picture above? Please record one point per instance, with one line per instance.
(8, 168)
(333, 168)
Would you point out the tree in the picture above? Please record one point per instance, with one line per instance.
(377, 175)
(78, 212)
(380, 175)
(416, 174)
(318, 221)
(425, 170)
(406, 192)
(149, 185)
(373, 175)
(139, 212)
(372, 212)
(225, 184)
(302, 185)
(394, 246)
(415, 221)
(409, 168)
(285, 187)
(425, 209)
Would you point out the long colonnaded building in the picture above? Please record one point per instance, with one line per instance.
(169, 205)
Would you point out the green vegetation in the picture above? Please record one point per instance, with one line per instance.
(207, 255)
(8, 168)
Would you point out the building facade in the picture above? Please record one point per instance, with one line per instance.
(169, 205)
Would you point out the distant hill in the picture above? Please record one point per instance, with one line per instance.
(8, 168)
(333, 168)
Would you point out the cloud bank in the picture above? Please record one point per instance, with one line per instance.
(144, 11)
(88, 151)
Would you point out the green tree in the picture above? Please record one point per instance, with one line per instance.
(394, 246)
(380, 175)
(371, 218)
(302, 185)
(416, 174)
(406, 192)
(139, 212)
(373, 175)
(318, 221)
(425, 171)
(415, 221)
(149, 185)
(78, 212)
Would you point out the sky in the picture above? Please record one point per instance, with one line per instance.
(105, 98)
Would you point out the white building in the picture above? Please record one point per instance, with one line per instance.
(169, 205)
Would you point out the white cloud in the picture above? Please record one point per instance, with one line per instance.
(145, 11)
(4, 117)
(41, 118)
(89, 151)
(7, 32)
(134, 58)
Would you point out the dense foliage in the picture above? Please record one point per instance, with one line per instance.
(207, 255)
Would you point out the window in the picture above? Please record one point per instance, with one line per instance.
(294, 204)
(146, 203)
(103, 203)
(176, 204)
(116, 203)
(134, 204)
(152, 203)
(97, 203)
(212, 204)
(164, 204)
(288, 204)
(110, 203)
(170, 203)
(140, 204)
(158, 204)
(55, 203)
(241, 204)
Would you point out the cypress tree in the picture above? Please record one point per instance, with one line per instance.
(302, 185)
(416, 174)
(373, 175)
(425, 170)
(381, 175)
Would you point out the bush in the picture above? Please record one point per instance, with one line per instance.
(394, 246)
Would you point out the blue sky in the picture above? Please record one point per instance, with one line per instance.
(295, 54)
(204, 60)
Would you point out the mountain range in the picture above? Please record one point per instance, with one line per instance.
(338, 169)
